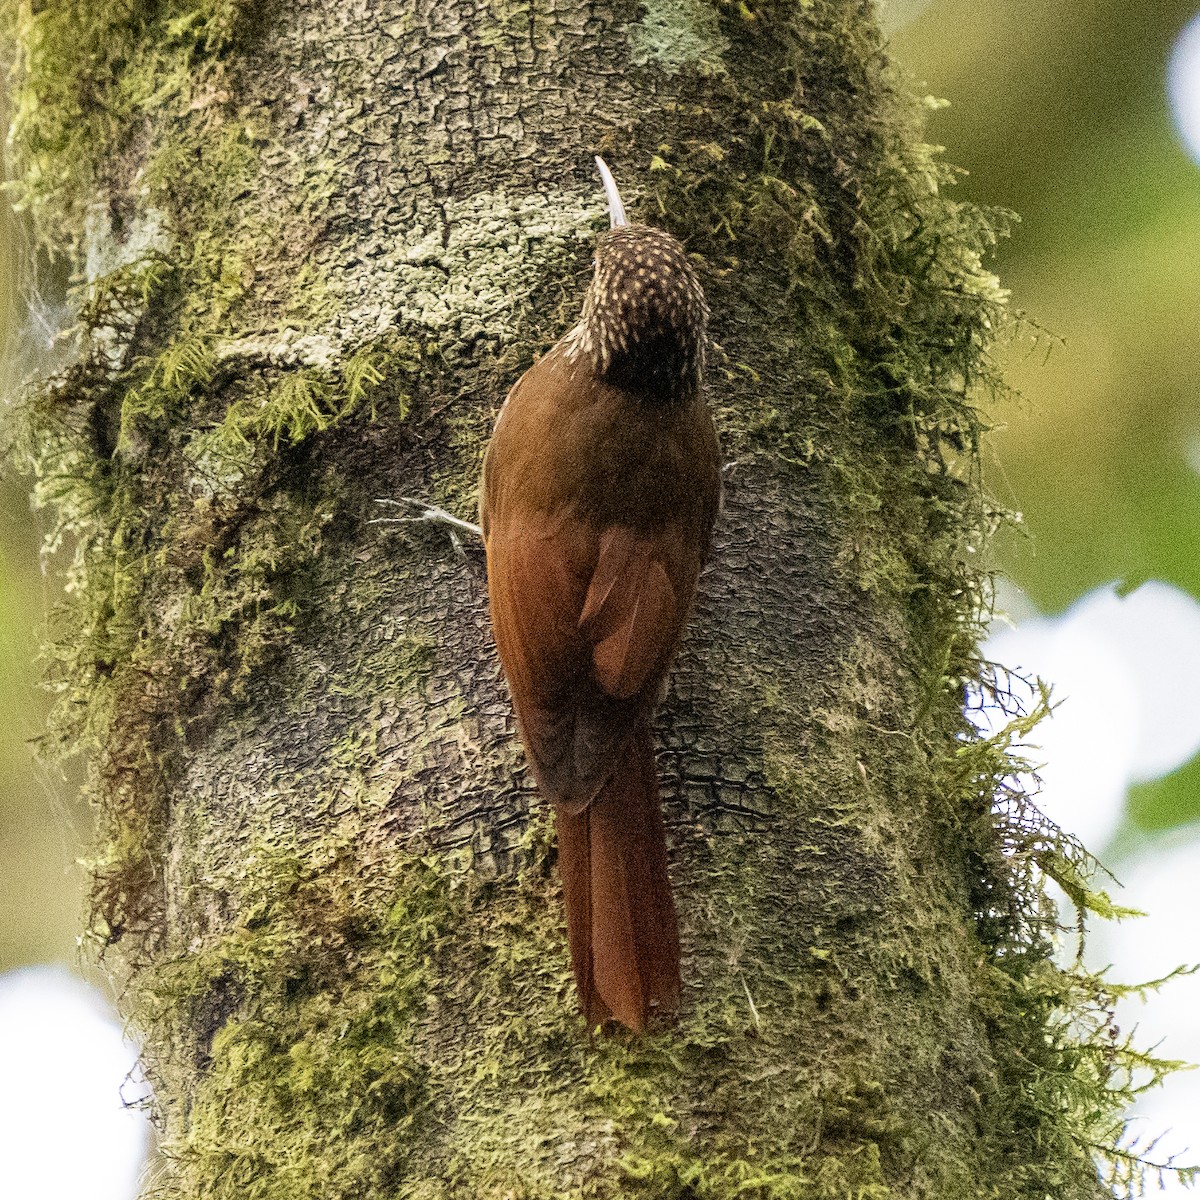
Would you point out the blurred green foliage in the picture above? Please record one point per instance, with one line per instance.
(1060, 112)
(40, 830)
(42, 823)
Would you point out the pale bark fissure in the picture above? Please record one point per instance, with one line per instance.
(348, 962)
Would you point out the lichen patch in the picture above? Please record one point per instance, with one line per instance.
(679, 34)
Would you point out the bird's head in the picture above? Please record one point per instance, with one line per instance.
(644, 316)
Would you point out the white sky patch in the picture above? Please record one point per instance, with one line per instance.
(1123, 677)
(1183, 86)
(1156, 631)
(65, 1133)
(1164, 882)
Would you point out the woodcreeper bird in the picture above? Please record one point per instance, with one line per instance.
(599, 491)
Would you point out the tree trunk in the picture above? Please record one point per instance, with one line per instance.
(321, 241)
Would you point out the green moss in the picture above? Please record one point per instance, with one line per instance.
(90, 76)
(309, 1011)
(160, 455)
(232, 550)
(894, 315)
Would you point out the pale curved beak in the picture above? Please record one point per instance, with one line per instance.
(616, 210)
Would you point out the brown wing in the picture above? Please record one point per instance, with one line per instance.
(632, 613)
(586, 623)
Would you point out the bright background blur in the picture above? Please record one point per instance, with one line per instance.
(1084, 117)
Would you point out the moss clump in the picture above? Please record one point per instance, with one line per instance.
(191, 552)
(309, 1012)
(176, 448)
(90, 79)
(851, 218)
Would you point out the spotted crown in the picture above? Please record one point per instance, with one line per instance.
(644, 317)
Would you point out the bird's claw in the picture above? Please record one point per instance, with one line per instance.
(428, 513)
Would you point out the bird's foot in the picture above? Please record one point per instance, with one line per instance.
(425, 514)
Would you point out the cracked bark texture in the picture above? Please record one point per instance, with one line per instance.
(325, 862)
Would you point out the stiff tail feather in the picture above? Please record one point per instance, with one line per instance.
(620, 916)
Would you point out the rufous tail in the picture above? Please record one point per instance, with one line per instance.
(620, 916)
